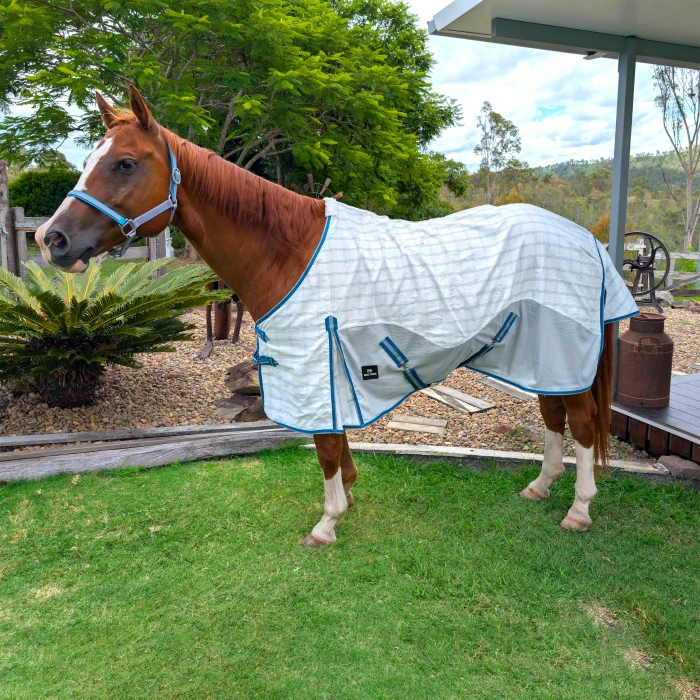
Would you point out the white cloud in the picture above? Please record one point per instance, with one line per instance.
(564, 106)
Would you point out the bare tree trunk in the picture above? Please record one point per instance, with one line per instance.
(689, 219)
(280, 172)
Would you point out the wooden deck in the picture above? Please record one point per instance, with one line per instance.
(674, 429)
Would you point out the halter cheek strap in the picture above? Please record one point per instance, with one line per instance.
(128, 226)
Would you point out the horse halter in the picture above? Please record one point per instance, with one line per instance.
(128, 226)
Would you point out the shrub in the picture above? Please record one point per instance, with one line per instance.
(601, 228)
(40, 193)
(513, 197)
(177, 239)
(58, 335)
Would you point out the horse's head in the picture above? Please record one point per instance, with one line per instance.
(130, 172)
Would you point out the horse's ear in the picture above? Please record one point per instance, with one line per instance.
(138, 107)
(107, 112)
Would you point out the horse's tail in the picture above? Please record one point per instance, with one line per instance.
(602, 395)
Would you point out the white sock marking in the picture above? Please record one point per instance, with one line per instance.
(552, 465)
(585, 483)
(334, 508)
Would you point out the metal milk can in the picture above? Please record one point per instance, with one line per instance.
(644, 360)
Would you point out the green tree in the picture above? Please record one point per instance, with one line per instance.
(641, 182)
(499, 144)
(419, 193)
(338, 88)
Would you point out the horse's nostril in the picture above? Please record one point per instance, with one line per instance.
(56, 239)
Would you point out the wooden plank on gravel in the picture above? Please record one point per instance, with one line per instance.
(471, 400)
(151, 455)
(417, 424)
(456, 399)
(509, 389)
(128, 433)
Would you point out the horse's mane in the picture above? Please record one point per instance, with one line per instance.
(248, 199)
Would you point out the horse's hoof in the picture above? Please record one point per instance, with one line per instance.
(351, 500)
(532, 495)
(313, 542)
(571, 522)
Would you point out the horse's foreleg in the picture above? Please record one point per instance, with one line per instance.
(330, 450)
(554, 415)
(581, 411)
(348, 470)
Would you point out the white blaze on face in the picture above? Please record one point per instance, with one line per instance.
(93, 159)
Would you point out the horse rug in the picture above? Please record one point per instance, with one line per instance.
(387, 307)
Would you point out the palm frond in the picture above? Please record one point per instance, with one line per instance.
(139, 277)
(100, 306)
(180, 278)
(16, 286)
(36, 279)
(87, 282)
(76, 311)
(30, 317)
(65, 286)
(54, 307)
(116, 278)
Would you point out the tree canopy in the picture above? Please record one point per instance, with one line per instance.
(338, 88)
(498, 147)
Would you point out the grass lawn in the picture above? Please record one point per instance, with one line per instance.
(190, 582)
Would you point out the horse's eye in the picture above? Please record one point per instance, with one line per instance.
(126, 165)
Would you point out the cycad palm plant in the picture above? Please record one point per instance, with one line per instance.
(58, 335)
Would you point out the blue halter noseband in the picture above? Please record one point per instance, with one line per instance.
(128, 226)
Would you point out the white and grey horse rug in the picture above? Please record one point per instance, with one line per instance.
(386, 308)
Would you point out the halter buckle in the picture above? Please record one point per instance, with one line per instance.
(132, 230)
(177, 177)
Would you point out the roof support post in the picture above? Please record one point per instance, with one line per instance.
(626, 65)
(621, 163)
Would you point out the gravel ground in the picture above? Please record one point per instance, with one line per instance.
(170, 389)
(180, 389)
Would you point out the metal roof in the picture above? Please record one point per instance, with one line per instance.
(667, 31)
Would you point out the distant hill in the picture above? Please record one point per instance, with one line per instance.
(649, 165)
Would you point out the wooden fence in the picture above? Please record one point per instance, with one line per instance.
(676, 280)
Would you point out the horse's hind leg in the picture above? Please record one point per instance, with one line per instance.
(581, 411)
(554, 415)
(348, 470)
(330, 450)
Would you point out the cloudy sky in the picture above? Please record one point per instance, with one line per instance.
(563, 105)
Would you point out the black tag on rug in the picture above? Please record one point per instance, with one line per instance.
(370, 372)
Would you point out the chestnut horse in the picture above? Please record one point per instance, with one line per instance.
(258, 237)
